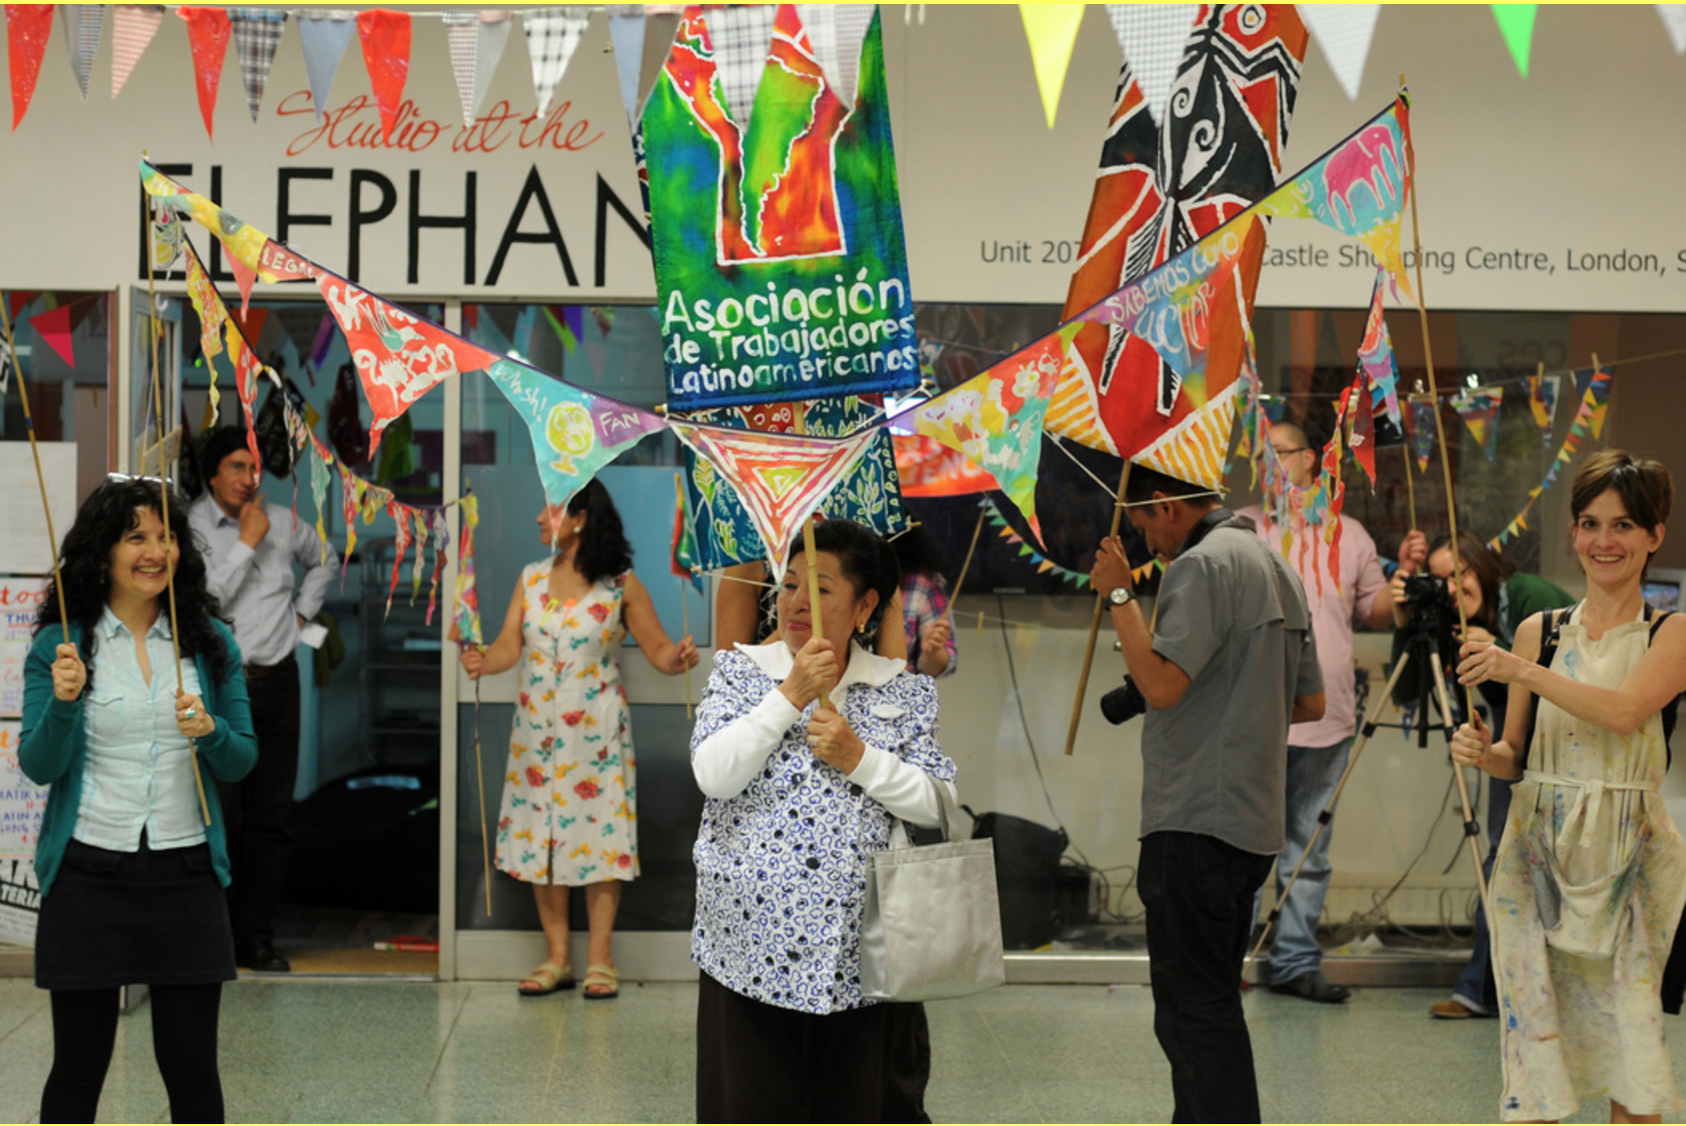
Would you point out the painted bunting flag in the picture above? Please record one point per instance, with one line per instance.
(1375, 356)
(928, 468)
(441, 548)
(995, 418)
(1359, 188)
(1479, 408)
(418, 566)
(1542, 403)
(465, 598)
(245, 244)
(320, 467)
(1361, 438)
(399, 356)
(213, 315)
(781, 271)
(1422, 426)
(1589, 418)
(574, 432)
(1161, 188)
(868, 494)
(683, 559)
(782, 479)
(400, 544)
(208, 30)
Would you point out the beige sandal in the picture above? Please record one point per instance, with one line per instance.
(546, 979)
(604, 979)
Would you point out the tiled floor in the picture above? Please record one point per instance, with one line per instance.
(474, 1052)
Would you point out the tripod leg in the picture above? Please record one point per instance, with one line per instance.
(1472, 831)
(1328, 814)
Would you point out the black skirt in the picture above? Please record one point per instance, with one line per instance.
(153, 917)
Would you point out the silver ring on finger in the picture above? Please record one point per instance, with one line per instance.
(189, 713)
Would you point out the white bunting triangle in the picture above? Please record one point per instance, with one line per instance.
(1674, 18)
(477, 40)
(740, 37)
(835, 33)
(553, 35)
(132, 30)
(1152, 37)
(324, 35)
(626, 35)
(82, 24)
(659, 30)
(1344, 32)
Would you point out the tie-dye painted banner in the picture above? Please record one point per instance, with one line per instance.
(782, 479)
(781, 271)
(995, 418)
(574, 432)
(1359, 188)
(1375, 356)
(928, 468)
(246, 245)
(869, 494)
(399, 356)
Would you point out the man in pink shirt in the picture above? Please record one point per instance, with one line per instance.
(1317, 751)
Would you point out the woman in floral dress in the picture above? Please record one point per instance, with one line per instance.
(568, 816)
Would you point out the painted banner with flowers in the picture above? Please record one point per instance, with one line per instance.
(781, 271)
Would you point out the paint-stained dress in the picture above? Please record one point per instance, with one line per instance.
(568, 814)
(1587, 892)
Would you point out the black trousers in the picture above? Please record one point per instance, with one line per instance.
(184, 1040)
(256, 807)
(760, 1063)
(1198, 892)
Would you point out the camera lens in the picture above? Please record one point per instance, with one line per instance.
(1123, 703)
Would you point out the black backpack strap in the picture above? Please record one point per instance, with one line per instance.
(1671, 709)
(1551, 634)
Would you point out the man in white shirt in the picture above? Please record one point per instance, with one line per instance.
(250, 548)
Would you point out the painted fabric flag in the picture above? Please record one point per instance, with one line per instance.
(1422, 427)
(869, 493)
(995, 418)
(28, 27)
(574, 432)
(399, 357)
(1375, 356)
(465, 597)
(1361, 438)
(1359, 188)
(212, 317)
(1159, 190)
(1589, 419)
(1479, 408)
(683, 559)
(245, 244)
(782, 479)
(1542, 403)
(401, 543)
(928, 468)
(781, 271)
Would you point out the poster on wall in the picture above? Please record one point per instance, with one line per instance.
(781, 271)
(25, 549)
(21, 806)
(20, 600)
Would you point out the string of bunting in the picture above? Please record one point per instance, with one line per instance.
(1044, 565)
(1588, 419)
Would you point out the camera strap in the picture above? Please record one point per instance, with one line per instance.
(1552, 635)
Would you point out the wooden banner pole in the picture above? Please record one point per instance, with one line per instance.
(1095, 622)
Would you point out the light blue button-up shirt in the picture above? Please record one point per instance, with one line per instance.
(138, 772)
(256, 588)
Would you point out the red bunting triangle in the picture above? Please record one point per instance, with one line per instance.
(54, 328)
(386, 52)
(28, 26)
(244, 277)
(208, 30)
(16, 300)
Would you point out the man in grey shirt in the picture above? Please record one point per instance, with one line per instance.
(1229, 664)
(250, 550)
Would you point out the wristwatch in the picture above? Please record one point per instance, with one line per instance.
(1119, 596)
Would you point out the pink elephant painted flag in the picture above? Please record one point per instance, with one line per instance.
(781, 478)
(575, 433)
(781, 270)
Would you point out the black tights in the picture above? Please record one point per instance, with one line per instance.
(184, 1039)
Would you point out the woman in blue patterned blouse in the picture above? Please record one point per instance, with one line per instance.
(798, 796)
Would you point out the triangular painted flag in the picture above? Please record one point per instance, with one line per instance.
(1375, 356)
(82, 24)
(385, 35)
(243, 242)
(553, 35)
(257, 32)
(1359, 188)
(476, 44)
(741, 36)
(399, 357)
(1479, 408)
(1583, 379)
(323, 35)
(53, 326)
(1051, 31)
(574, 432)
(781, 478)
(1344, 31)
(28, 27)
(1422, 426)
(465, 598)
(835, 33)
(1363, 439)
(1674, 19)
(928, 468)
(682, 559)
(1542, 401)
(132, 29)
(1152, 37)
(208, 30)
(995, 418)
(626, 36)
(400, 544)
(1516, 24)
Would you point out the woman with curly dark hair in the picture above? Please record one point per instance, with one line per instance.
(131, 866)
(567, 816)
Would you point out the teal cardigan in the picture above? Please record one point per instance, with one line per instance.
(53, 745)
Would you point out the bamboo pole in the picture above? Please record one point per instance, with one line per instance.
(810, 553)
(35, 452)
(960, 580)
(1095, 622)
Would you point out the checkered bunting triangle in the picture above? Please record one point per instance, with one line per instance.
(740, 37)
(553, 35)
(257, 32)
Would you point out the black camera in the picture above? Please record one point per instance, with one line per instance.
(1123, 703)
(1432, 609)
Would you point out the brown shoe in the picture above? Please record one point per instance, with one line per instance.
(1454, 1010)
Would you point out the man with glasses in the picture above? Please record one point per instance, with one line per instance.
(1317, 751)
(250, 549)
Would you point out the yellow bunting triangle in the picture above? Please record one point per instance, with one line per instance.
(1051, 30)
